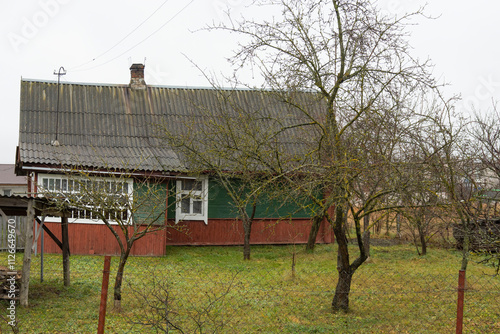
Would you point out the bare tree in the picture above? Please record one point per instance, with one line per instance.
(486, 134)
(129, 206)
(163, 313)
(420, 205)
(444, 148)
(353, 63)
(227, 140)
(378, 142)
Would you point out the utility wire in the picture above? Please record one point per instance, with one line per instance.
(121, 40)
(142, 41)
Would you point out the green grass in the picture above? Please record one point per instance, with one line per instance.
(398, 292)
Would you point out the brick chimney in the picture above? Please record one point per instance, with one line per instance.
(137, 77)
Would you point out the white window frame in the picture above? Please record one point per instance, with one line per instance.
(60, 179)
(195, 195)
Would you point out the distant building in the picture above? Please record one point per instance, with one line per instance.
(10, 183)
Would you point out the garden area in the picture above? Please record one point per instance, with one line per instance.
(211, 290)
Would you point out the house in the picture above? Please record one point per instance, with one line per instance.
(107, 130)
(10, 183)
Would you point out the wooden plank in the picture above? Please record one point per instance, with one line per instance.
(3, 233)
(4, 216)
(25, 278)
(49, 232)
(65, 250)
(14, 202)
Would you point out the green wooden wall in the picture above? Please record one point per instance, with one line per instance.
(150, 202)
(220, 205)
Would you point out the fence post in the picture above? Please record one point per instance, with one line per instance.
(104, 294)
(460, 302)
(65, 250)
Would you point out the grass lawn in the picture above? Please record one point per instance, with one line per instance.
(210, 289)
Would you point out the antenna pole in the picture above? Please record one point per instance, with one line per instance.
(61, 72)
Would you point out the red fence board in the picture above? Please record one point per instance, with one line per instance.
(98, 239)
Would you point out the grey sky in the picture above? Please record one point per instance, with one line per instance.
(37, 37)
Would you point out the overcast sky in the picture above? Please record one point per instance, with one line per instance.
(96, 41)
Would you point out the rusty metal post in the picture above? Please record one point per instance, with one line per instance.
(104, 294)
(460, 302)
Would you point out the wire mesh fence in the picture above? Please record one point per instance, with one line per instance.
(207, 293)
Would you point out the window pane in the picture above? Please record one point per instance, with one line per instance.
(197, 206)
(185, 202)
(58, 184)
(51, 184)
(45, 183)
(125, 188)
(64, 185)
(187, 184)
(191, 185)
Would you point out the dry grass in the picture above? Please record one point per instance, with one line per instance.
(212, 290)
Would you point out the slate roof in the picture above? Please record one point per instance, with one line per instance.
(114, 126)
(8, 176)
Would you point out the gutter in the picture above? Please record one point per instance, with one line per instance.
(100, 172)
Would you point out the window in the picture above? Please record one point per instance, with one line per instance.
(7, 192)
(96, 196)
(192, 200)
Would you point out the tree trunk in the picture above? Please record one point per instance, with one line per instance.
(247, 228)
(313, 233)
(398, 225)
(119, 279)
(344, 267)
(341, 297)
(366, 234)
(378, 227)
(387, 225)
(423, 241)
(465, 244)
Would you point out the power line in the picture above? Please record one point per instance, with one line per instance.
(145, 39)
(121, 40)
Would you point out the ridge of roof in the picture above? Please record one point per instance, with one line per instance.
(158, 86)
(148, 85)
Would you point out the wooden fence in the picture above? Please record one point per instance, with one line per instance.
(20, 235)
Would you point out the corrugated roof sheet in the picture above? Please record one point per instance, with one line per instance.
(113, 126)
(8, 175)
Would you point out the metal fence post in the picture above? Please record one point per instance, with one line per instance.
(104, 294)
(460, 302)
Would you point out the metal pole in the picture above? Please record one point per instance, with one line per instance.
(460, 302)
(104, 294)
(35, 246)
(41, 256)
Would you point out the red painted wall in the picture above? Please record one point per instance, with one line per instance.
(97, 239)
(230, 232)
